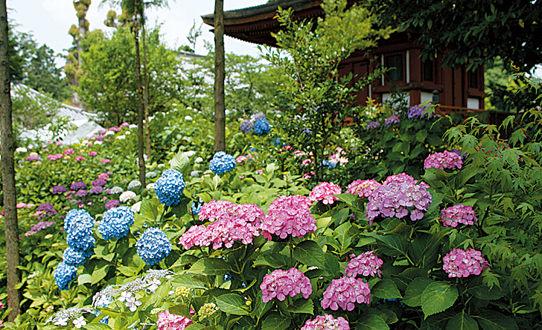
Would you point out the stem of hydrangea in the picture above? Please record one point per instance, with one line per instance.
(291, 247)
(162, 215)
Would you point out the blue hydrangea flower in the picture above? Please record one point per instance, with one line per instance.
(76, 258)
(246, 126)
(153, 246)
(257, 116)
(330, 164)
(64, 275)
(196, 207)
(169, 187)
(222, 163)
(78, 225)
(116, 222)
(262, 127)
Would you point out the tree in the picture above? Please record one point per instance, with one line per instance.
(8, 169)
(109, 84)
(470, 31)
(220, 110)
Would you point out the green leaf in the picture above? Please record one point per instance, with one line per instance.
(274, 260)
(481, 291)
(99, 272)
(180, 309)
(371, 322)
(210, 266)
(179, 162)
(462, 321)
(187, 281)
(421, 136)
(302, 306)
(414, 291)
(437, 297)
(96, 326)
(392, 245)
(490, 320)
(310, 254)
(386, 289)
(84, 278)
(195, 326)
(276, 322)
(231, 304)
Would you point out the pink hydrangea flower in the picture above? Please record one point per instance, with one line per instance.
(461, 263)
(229, 223)
(345, 292)
(106, 161)
(20, 205)
(289, 216)
(299, 153)
(93, 153)
(362, 188)
(103, 176)
(326, 322)
(399, 197)
(260, 171)
(306, 162)
(79, 158)
(168, 321)
(281, 283)
(58, 143)
(457, 214)
(2, 305)
(366, 264)
(324, 192)
(308, 175)
(69, 151)
(443, 160)
(241, 158)
(52, 157)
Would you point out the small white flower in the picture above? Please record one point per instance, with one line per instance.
(161, 165)
(195, 173)
(136, 207)
(133, 126)
(62, 322)
(79, 322)
(127, 133)
(188, 108)
(21, 149)
(199, 160)
(126, 196)
(133, 304)
(109, 133)
(150, 186)
(187, 118)
(189, 153)
(121, 137)
(154, 285)
(125, 295)
(97, 143)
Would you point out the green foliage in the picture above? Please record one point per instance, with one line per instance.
(314, 51)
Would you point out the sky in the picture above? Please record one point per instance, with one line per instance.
(50, 20)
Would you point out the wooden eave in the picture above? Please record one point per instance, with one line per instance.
(255, 24)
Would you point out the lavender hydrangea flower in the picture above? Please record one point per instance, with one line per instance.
(373, 124)
(392, 120)
(81, 193)
(96, 190)
(59, 190)
(111, 204)
(246, 126)
(257, 116)
(99, 182)
(417, 111)
(78, 185)
(46, 209)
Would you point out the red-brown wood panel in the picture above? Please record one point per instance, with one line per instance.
(361, 69)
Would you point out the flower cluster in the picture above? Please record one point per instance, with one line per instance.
(289, 216)
(366, 264)
(32, 157)
(207, 310)
(326, 322)
(392, 120)
(127, 196)
(345, 292)
(55, 157)
(134, 184)
(169, 187)
(116, 222)
(167, 321)
(153, 246)
(69, 151)
(99, 182)
(222, 163)
(281, 283)
(457, 214)
(96, 190)
(397, 199)
(195, 209)
(246, 126)
(362, 188)
(76, 258)
(115, 190)
(229, 223)
(443, 160)
(417, 111)
(257, 116)
(78, 185)
(59, 190)
(461, 263)
(64, 274)
(324, 192)
(111, 204)
(46, 209)
(39, 226)
(150, 175)
(78, 225)
(373, 124)
(262, 126)
(71, 314)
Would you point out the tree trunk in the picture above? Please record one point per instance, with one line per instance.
(146, 96)
(140, 113)
(8, 170)
(220, 76)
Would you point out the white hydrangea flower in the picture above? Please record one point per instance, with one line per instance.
(189, 153)
(126, 196)
(79, 322)
(136, 207)
(195, 173)
(127, 133)
(21, 149)
(116, 190)
(133, 184)
(133, 126)
(109, 133)
(187, 118)
(121, 137)
(199, 160)
(150, 186)
(96, 143)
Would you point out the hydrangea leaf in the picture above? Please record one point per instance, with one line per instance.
(413, 294)
(371, 322)
(462, 321)
(480, 290)
(305, 306)
(210, 266)
(310, 254)
(437, 297)
(231, 304)
(386, 289)
(491, 320)
(276, 322)
(97, 326)
(99, 272)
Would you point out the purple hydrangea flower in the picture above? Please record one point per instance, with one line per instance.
(246, 126)
(59, 190)
(111, 204)
(392, 120)
(417, 111)
(96, 190)
(81, 193)
(99, 182)
(78, 185)
(373, 124)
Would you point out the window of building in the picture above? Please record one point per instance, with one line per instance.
(428, 71)
(473, 79)
(396, 65)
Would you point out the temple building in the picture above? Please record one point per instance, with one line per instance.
(454, 89)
